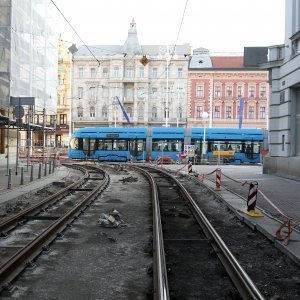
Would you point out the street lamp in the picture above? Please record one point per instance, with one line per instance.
(167, 92)
(204, 117)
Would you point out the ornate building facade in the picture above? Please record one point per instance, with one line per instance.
(150, 82)
(63, 94)
(216, 85)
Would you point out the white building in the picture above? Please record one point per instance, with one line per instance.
(284, 123)
(139, 75)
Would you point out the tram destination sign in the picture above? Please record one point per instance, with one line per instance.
(112, 135)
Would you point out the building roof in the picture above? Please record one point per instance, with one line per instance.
(227, 62)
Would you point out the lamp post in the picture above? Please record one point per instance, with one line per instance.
(204, 117)
(167, 92)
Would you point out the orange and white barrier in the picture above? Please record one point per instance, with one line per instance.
(190, 168)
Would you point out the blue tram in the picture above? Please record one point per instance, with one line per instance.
(108, 144)
(121, 144)
(235, 145)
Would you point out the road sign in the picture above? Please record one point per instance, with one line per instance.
(21, 101)
(189, 150)
(19, 112)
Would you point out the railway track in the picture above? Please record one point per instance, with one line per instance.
(186, 247)
(28, 233)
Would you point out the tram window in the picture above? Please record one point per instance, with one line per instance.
(101, 145)
(85, 143)
(256, 148)
(74, 144)
(92, 144)
(120, 145)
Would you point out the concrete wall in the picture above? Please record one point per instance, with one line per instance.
(288, 167)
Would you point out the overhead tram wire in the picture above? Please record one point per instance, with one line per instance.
(76, 32)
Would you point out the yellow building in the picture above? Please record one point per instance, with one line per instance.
(63, 94)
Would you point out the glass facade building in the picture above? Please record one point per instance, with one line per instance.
(28, 53)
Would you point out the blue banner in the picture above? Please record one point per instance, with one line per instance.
(242, 101)
(123, 110)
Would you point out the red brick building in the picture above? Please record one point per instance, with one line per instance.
(216, 85)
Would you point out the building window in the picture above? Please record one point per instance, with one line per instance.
(199, 91)
(154, 72)
(167, 72)
(240, 91)
(115, 91)
(104, 92)
(129, 94)
(80, 73)
(93, 73)
(116, 72)
(92, 92)
(282, 96)
(154, 92)
(228, 112)
(80, 92)
(251, 112)
(263, 92)
(154, 112)
(262, 112)
(129, 112)
(217, 112)
(166, 112)
(104, 111)
(199, 111)
(251, 91)
(228, 91)
(218, 91)
(80, 111)
(179, 112)
(141, 72)
(63, 119)
(129, 73)
(92, 111)
(179, 73)
(105, 73)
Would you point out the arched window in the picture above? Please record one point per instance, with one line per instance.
(129, 112)
(80, 111)
(154, 112)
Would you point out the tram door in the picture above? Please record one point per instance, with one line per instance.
(88, 146)
(136, 147)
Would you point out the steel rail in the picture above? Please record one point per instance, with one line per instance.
(10, 269)
(12, 221)
(160, 278)
(238, 275)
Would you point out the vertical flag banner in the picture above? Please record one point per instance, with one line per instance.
(123, 110)
(242, 101)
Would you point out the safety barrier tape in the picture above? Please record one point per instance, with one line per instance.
(285, 224)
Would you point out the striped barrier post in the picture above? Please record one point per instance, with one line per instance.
(218, 180)
(252, 196)
(190, 168)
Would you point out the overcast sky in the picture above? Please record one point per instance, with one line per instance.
(218, 25)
